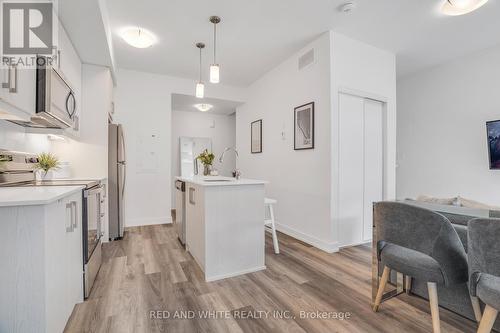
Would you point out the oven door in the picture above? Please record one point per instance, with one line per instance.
(92, 221)
(92, 234)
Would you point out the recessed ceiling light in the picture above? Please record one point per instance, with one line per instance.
(138, 37)
(461, 7)
(203, 107)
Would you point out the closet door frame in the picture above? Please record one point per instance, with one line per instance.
(377, 98)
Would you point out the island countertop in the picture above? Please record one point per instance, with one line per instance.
(220, 181)
(34, 195)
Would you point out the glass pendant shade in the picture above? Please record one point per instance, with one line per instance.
(214, 74)
(200, 90)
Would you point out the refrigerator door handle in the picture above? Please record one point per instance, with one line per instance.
(122, 144)
(124, 179)
(123, 161)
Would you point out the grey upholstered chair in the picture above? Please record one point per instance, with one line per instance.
(484, 267)
(421, 244)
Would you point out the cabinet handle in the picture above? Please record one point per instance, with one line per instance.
(11, 83)
(69, 206)
(59, 59)
(75, 214)
(191, 196)
(7, 84)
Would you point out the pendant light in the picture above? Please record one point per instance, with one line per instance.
(200, 87)
(214, 67)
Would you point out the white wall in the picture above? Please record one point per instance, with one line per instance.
(299, 180)
(305, 182)
(143, 106)
(442, 149)
(369, 72)
(199, 124)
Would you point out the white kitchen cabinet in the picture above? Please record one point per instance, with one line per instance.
(42, 265)
(18, 88)
(225, 226)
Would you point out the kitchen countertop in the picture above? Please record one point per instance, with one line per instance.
(220, 181)
(34, 195)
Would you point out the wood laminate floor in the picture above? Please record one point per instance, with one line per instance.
(149, 271)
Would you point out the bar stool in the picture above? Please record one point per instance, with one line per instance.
(270, 223)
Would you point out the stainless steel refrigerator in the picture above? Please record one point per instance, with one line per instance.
(117, 173)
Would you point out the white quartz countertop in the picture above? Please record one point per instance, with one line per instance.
(35, 195)
(220, 181)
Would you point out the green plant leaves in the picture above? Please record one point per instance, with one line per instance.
(46, 162)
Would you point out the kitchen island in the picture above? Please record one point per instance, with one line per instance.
(225, 225)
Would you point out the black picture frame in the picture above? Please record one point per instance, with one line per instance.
(296, 127)
(493, 160)
(253, 149)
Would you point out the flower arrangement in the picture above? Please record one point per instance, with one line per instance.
(206, 158)
(47, 162)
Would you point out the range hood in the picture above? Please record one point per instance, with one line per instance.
(42, 120)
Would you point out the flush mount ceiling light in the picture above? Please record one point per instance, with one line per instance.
(200, 86)
(203, 107)
(461, 7)
(214, 67)
(138, 37)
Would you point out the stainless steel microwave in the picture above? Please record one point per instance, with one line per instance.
(55, 99)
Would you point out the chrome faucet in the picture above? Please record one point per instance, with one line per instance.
(236, 172)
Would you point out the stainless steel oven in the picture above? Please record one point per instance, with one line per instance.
(92, 234)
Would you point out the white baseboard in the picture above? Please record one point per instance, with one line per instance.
(355, 244)
(225, 276)
(311, 240)
(148, 221)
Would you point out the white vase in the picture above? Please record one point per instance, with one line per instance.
(42, 175)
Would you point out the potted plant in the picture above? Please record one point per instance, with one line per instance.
(206, 158)
(46, 162)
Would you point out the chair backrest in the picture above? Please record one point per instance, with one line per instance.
(421, 230)
(483, 248)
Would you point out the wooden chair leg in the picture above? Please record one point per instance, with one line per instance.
(381, 287)
(273, 230)
(408, 284)
(434, 302)
(476, 307)
(489, 317)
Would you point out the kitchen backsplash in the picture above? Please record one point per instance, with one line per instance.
(13, 137)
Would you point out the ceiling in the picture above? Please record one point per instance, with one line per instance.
(256, 35)
(83, 22)
(220, 106)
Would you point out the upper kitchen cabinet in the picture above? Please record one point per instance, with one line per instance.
(18, 90)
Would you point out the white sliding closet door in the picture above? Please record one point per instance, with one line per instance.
(374, 164)
(360, 166)
(351, 169)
